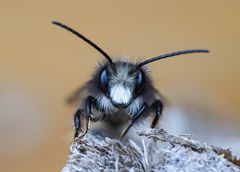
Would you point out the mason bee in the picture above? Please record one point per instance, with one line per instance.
(119, 91)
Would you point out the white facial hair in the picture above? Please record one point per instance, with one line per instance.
(120, 94)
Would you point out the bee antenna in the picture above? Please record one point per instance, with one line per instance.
(171, 55)
(85, 39)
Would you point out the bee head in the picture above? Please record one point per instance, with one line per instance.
(121, 82)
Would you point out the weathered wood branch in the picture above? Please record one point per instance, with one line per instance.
(162, 135)
(95, 153)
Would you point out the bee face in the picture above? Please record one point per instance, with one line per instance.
(121, 83)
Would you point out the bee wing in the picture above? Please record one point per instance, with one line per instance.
(77, 95)
(159, 96)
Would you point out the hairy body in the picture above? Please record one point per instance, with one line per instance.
(124, 97)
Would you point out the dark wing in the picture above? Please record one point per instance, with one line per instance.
(78, 95)
(159, 96)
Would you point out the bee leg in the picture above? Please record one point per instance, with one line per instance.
(77, 122)
(97, 118)
(92, 102)
(87, 112)
(89, 116)
(134, 119)
(158, 106)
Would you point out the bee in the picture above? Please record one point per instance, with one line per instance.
(119, 91)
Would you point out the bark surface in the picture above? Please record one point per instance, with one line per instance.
(158, 151)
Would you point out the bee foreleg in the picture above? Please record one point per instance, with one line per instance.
(92, 102)
(87, 112)
(77, 122)
(134, 119)
(158, 107)
(97, 118)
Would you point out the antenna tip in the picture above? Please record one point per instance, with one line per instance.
(206, 51)
(55, 22)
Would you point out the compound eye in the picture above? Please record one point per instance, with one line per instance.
(104, 80)
(139, 79)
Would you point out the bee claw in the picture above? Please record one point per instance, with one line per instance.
(84, 134)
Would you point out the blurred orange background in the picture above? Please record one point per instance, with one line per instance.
(42, 64)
